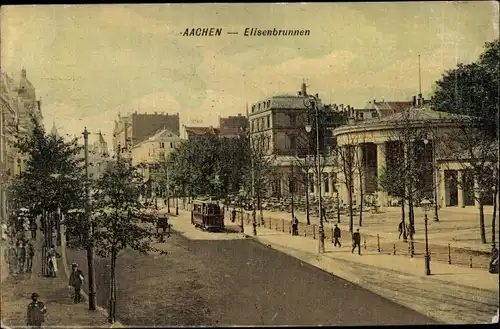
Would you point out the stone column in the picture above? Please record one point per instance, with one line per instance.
(381, 163)
(460, 192)
(358, 179)
(476, 193)
(330, 183)
(442, 188)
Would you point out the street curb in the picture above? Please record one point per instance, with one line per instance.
(84, 295)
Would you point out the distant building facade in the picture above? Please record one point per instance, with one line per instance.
(99, 157)
(17, 102)
(192, 133)
(154, 150)
(234, 122)
(133, 129)
(277, 129)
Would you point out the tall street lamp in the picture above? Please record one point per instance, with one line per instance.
(434, 177)
(90, 227)
(311, 102)
(426, 204)
(254, 215)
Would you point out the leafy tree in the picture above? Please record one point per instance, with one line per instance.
(472, 90)
(208, 166)
(117, 215)
(54, 174)
(259, 170)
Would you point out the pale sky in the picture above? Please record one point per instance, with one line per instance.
(126, 58)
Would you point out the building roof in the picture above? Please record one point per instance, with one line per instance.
(201, 131)
(211, 131)
(418, 114)
(391, 107)
(291, 102)
(413, 115)
(161, 133)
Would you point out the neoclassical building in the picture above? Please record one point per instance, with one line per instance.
(377, 144)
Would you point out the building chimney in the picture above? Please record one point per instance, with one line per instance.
(414, 102)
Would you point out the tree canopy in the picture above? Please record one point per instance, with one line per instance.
(54, 173)
(471, 89)
(207, 166)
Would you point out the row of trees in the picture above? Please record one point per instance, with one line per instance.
(217, 167)
(54, 180)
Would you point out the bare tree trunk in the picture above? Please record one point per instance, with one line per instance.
(481, 222)
(351, 215)
(493, 220)
(308, 220)
(112, 290)
(261, 213)
(412, 225)
(403, 215)
(361, 201)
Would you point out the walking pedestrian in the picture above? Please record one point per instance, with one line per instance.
(76, 280)
(323, 214)
(336, 235)
(356, 241)
(35, 316)
(11, 258)
(21, 256)
(52, 261)
(30, 253)
(33, 228)
(400, 229)
(295, 226)
(233, 215)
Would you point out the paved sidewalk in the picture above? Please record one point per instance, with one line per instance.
(54, 292)
(451, 294)
(457, 253)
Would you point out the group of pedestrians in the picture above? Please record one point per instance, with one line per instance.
(19, 257)
(337, 233)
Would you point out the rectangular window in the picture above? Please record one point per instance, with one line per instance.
(171, 145)
(268, 121)
(162, 145)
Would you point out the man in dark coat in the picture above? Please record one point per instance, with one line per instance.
(400, 229)
(233, 215)
(33, 228)
(295, 226)
(30, 253)
(76, 281)
(336, 235)
(356, 241)
(323, 214)
(35, 316)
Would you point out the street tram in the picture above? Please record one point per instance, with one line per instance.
(207, 215)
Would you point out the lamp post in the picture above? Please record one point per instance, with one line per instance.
(426, 204)
(311, 102)
(254, 215)
(90, 228)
